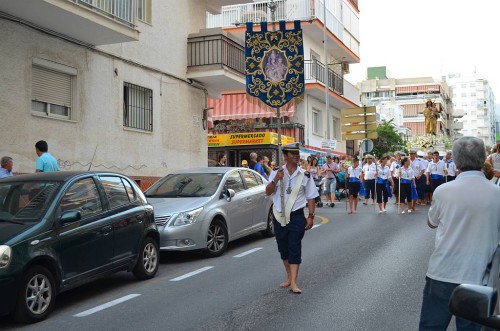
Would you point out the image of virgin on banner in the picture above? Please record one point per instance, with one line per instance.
(274, 65)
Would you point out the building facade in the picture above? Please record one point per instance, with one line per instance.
(410, 95)
(475, 98)
(307, 122)
(105, 83)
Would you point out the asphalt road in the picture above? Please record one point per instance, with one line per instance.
(360, 272)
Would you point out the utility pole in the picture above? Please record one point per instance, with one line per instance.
(327, 85)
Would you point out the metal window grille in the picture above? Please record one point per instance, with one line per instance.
(137, 107)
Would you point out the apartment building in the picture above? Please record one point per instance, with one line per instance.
(105, 82)
(306, 122)
(411, 94)
(473, 95)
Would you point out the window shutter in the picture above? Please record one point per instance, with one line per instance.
(51, 87)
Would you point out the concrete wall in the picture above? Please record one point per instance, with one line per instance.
(177, 140)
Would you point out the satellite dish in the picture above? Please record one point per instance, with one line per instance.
(366, 145)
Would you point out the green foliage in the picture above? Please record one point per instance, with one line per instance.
(388, 140)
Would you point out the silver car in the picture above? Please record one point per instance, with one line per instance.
(209, 207)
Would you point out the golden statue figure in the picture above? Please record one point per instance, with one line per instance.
(431, 117)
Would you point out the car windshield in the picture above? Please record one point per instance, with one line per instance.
(25, 201)
(185, 185)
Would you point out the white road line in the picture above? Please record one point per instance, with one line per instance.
(248, 252)
(106, 305)
(315, 226)
(192, 273)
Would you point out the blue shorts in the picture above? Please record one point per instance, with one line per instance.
(289, 237)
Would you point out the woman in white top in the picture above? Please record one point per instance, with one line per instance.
(406, 177)
(354, 184)
(383, 178)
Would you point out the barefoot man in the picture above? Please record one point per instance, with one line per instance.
(299, 190)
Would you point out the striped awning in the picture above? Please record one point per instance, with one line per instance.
(237, 107)
(418, 89)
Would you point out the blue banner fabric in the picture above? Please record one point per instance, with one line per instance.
(274, 65)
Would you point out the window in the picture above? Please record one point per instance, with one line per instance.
(250, 179)
(82, 196)
(115, 191)
(234, 182)
(316, 122)
(52, 86)
(335, 128)
(137, 107)
(144, 10)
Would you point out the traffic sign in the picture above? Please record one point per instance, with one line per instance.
(361, 127)
(359, 136)
(359, 119)
(366, 146)
(358, 111)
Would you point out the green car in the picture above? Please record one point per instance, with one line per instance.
(59, 230)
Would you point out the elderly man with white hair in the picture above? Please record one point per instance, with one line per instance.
(6, 164)
(466, 214)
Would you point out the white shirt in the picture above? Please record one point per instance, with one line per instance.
(307, 190)
(467, 215)
(383, 172)
(436, 168)
(407, 173)
(425, 163)
(451, 168)
(354, 172)
(369, 171)
(417, 166)
(395, 165)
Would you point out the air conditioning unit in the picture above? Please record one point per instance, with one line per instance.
(345, 67)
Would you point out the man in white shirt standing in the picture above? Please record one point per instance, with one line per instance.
(451, 168)
(466, 214)
(394, 168)
(435, 172)
(290, 222)
(418, 170)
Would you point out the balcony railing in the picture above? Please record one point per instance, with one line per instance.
(315, 70)
(216, 50)
(119, 10)
(287, 10)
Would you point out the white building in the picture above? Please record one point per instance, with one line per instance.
(474, 96)
(343, 49)
(103, 81)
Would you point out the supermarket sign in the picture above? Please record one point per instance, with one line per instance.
(252, 138)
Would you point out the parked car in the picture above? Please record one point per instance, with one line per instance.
(207, 208)
(59, 230)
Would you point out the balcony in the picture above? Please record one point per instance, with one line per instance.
(216, 61)
(344, 38)
(458, 113)
(95, 22)
(458, 126)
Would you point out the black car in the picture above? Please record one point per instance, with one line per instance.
(59, 230)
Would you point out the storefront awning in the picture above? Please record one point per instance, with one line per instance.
(237, 107)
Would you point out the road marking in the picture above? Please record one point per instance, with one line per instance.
(106, 305)
(315, 226)
(248, 252)
(189, 274)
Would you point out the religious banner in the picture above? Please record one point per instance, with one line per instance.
(274, 65)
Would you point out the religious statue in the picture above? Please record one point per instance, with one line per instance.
(431, 117)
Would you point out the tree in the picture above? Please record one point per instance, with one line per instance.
(388, 140)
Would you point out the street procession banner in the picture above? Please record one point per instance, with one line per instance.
(274, 65)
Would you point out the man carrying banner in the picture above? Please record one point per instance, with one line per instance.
(300, 191)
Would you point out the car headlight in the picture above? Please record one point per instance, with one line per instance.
(187, 217)
(5, 254)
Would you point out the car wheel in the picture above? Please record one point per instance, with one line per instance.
(148, 261)
(36, 295)
(217, 239)
(269, 231)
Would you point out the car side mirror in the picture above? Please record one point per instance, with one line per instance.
(230, 194)
(71, 216)
(475, 303)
